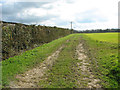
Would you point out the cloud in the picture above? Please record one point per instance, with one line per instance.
(27, 19)
(85, 14)
(25, 12)
(11, 8)
(89, 16)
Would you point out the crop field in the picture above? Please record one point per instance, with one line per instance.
(107, 37)
(74, 61)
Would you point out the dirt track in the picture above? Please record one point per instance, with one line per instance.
(87, 75)
(30, 78)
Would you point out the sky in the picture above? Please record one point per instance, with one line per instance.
(85, 14)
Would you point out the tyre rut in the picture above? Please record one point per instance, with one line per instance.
(86, 76)
(31, 77)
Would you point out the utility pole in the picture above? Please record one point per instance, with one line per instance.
(71, 27)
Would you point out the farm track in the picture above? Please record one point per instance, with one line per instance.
(31, 78)
(86, 75)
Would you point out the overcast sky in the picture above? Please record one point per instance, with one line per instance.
(85, 14)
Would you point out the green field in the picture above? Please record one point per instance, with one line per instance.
(101, 49)
(107, 37)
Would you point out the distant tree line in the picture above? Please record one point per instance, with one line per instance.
(17, 37)
(97, 31)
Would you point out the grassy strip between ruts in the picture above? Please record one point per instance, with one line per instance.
(104, 59)
(62, 74)
(29, 59)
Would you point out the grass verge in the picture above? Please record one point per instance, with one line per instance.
(104, 60)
